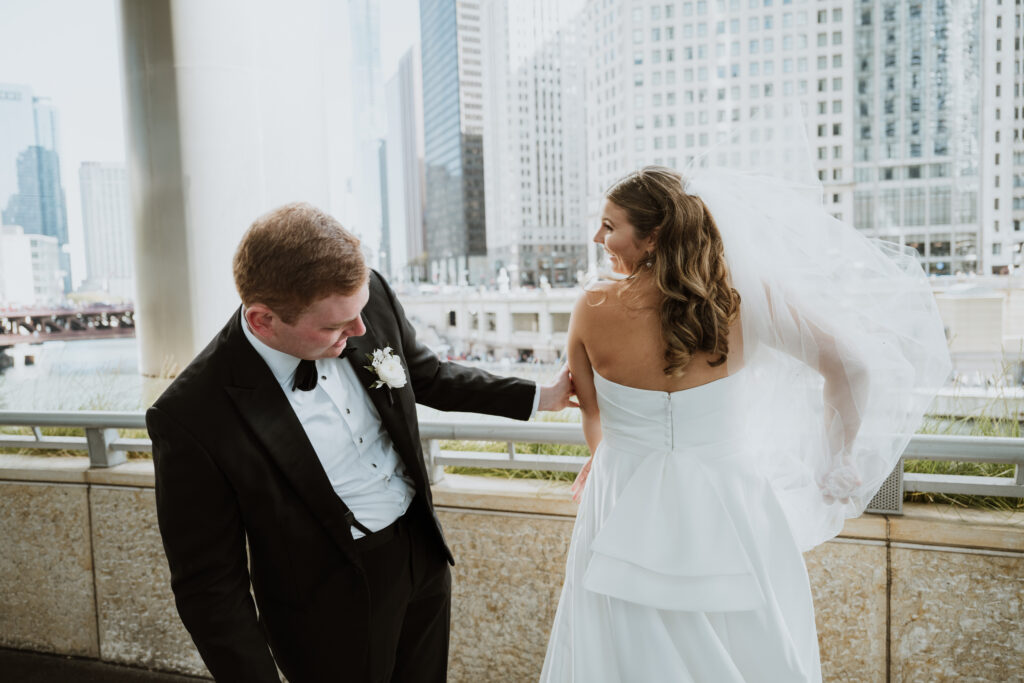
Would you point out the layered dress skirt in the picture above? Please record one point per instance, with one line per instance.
(682, 566)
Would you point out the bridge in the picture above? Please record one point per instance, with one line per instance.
(34, 326)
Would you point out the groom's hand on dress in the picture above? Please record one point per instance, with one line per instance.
(558, 395)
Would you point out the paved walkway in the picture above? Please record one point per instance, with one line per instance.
(18, 666)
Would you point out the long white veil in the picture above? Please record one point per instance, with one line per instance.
(843, 342)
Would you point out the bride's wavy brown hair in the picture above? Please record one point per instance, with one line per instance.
(687, 264)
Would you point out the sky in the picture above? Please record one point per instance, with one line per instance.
(69, 51)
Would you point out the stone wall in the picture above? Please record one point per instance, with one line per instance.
(934, 595)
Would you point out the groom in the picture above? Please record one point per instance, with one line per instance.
(287, 459)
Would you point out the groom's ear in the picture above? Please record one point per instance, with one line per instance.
(260, 319)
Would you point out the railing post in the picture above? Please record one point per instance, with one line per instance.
(431, 449)
(100, 452)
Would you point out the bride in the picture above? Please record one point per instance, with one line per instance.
(742, 392)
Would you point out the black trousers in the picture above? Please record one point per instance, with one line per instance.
(410, 600)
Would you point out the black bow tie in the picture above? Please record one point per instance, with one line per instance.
(305, 373)
(305, 376)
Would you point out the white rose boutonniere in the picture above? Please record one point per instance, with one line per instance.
(387, 367)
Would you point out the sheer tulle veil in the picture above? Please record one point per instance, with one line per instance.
(843, 344)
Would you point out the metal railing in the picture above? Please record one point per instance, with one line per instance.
(106, 448)
(102, 442)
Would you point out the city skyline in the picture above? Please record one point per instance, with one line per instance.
(811, 52)
(68, 51)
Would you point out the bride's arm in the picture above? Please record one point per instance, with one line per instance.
(583, 373)
(846, 386)
(583, 383)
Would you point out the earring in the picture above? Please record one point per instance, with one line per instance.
(649, 259)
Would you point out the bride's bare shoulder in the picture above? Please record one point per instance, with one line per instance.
(610, 302)
(598, 297)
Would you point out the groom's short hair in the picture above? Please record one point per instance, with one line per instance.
(294, 256)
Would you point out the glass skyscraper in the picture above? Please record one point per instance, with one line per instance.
(456, 237)
(17, 122)
(32, 196)
(918, 127)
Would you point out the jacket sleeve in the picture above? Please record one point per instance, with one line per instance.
(450, 386)
(204, 541)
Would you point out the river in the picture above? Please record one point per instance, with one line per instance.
(104, 375)
(100, 374)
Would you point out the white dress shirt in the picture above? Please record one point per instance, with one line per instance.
(348, 436)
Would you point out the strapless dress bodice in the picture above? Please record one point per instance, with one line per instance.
(708, 416)
(678, 473)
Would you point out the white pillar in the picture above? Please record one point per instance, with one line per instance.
(224, 106)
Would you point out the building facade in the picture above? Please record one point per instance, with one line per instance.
(368, 121)
(919, 129)
(29, 269)
(534, 144)
(405, 170)
(17, 121)
(453, 133)
(106, 220)
(35, 199)
(912, 108)
(668, 82)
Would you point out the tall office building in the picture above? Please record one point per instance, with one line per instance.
(17, 121)
(936, 83)
(534, 143)
(907, 105)
(34, 195)
(669, 81)
(1002, 160)
(368, 121)
(405, 170)
(386, 258)
(106, 219)
(453, 130)
(918, 128)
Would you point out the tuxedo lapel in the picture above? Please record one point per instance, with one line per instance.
(266, 410)
(387, 401)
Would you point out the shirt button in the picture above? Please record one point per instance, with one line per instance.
(323, 376)
(347, 411)
(360, 439)
(374, 464)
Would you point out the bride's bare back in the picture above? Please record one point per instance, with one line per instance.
(622, 339)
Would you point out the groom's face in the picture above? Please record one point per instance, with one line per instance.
(322, 330)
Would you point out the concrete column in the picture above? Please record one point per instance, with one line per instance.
(225, 117)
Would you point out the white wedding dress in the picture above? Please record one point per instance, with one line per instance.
(682, 566)
(686, 558)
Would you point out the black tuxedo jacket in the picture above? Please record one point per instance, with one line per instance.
(233, 464)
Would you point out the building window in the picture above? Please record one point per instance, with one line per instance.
(939, 204)
(914, 207)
